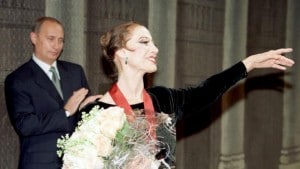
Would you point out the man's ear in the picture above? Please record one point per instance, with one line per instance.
(33, 37)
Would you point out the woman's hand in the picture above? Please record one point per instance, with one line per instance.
(271, 59)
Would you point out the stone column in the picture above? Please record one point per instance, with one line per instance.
(162, 24)
(232, 122)
(72, 14)
(290, 151)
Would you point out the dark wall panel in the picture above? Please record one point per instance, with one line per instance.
(16, 18)
(264, 106)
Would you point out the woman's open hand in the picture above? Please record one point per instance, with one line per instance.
(271, 59)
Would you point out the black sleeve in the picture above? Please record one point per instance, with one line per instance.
(200, 96)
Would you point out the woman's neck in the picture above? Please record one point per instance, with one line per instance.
(132, 89)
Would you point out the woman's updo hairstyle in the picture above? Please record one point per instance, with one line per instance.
(110, 42)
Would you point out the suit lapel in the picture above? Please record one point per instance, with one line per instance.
(44, 82)
(65, 79)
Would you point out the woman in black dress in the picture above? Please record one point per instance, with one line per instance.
(129, 53)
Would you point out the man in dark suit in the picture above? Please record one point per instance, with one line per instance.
(40, 112)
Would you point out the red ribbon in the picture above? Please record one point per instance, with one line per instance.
(121, 101)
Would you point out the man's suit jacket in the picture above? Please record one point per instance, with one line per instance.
(36, 111)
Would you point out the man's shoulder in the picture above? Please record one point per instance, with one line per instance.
(68, 64)
(20, 74)
(22, 69)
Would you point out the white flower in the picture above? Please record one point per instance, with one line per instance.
(79, 157)
(104, 145)
(111, 120)
(92, 139)
(104, 138)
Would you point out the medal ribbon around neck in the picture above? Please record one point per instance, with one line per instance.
(121, 101)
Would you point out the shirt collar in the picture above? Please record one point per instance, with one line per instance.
(44, 66)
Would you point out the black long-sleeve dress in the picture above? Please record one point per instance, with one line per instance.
(175, 101)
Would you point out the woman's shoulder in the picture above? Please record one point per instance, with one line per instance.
(164, 93)
(157, 90)
(161, 95)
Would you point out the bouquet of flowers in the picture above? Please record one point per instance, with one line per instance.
(104, 139)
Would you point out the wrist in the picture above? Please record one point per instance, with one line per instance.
(248, 64)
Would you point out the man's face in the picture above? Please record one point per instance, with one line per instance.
(48, 42)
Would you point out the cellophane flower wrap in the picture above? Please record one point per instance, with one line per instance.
(104, 139)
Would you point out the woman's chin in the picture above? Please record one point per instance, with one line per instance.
(152, 70)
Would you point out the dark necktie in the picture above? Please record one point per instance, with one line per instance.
(56, 81)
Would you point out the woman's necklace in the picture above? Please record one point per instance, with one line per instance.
(121, 101)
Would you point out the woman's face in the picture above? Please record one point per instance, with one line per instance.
(140, 50)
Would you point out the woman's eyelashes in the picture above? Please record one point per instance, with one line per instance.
(145, 42)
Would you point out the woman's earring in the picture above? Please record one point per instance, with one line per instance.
(126, 57)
